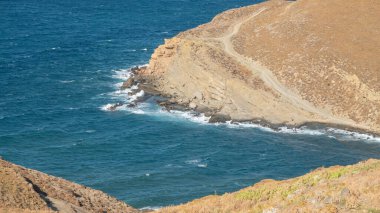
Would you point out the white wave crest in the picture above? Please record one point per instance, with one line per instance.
(300, 131)
(107, 107)
(123, 74)
(134, 97)
(350, 135)
(189, 115)
(338, 134)
(151, 208)
(196, 162)
(230, 124)
(67, 81)
(124, 95)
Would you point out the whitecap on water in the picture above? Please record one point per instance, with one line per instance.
(123, 95)
(173, 166)
(193, 161)
(136, 96)
(230, 124)
(134, 110)
(335, 133)
(123, 74)
(350, 135)
(107, 107)
(67, 81)
(300, 131)
(196, 162)
(72, 108)
(151, 208)
(188, 115)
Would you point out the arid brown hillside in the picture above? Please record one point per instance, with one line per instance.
(25, 190)
(288, 62)
(353, 188)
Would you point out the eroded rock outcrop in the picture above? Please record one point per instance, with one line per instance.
(285, 62)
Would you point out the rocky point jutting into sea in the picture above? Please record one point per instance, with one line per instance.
(278, 62)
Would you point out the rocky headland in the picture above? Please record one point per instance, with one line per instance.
(279, 63)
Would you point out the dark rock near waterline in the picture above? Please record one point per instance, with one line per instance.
(113, 107)
(132, 105)
(128, 83)
(135, 69)
(172, 105)
(219, 118)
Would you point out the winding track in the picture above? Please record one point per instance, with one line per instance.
(267, 76)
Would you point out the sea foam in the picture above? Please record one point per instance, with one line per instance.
(147, 108)
(151, 208)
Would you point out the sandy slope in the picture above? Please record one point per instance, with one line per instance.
(286, 62)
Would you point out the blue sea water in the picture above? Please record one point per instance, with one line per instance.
(61, 61)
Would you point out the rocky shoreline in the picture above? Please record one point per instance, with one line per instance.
(141, 82)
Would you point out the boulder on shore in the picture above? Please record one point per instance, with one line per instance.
(128, 83)
(219, 118)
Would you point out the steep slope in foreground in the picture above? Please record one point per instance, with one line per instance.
(26, 190)
(353, 188)
(285, 62)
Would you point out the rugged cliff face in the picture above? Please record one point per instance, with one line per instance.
(281, 61)
(353, 188)
(26, 190)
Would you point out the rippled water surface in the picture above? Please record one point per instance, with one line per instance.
(61, 61)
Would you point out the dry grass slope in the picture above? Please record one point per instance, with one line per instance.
(353, 188)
